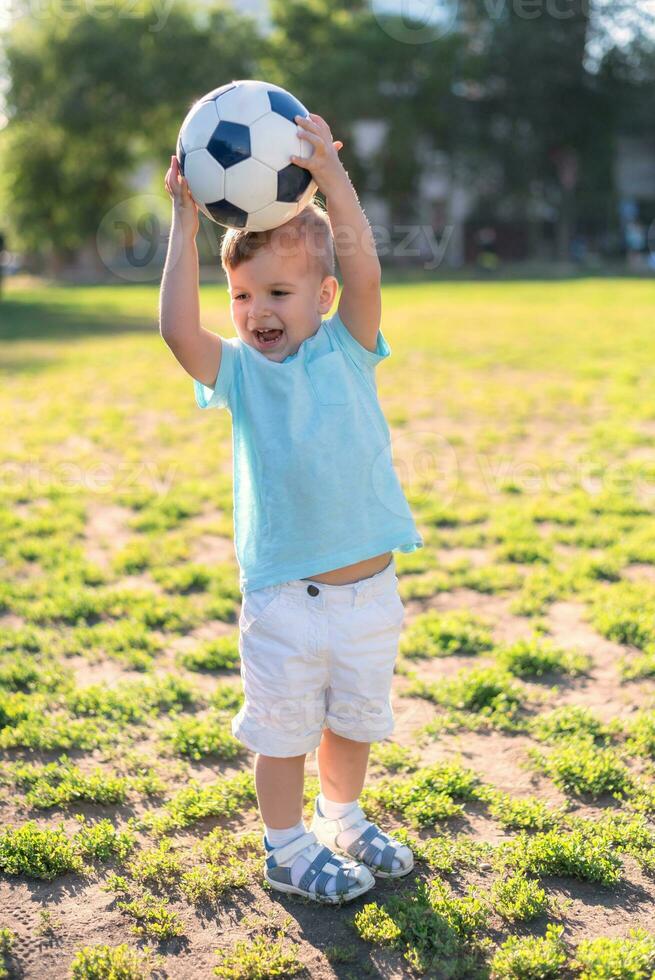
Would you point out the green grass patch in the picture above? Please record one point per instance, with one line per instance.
(48, 853)
(393, 757)
(632, 958)
(197, 738)
(219, 654)
(434, 634)
(579, 854)
(429, 795)
(225, 798)
(489, 692)
(531, 957)
(524, 813)
(579, 767)
(61, 783)
(151, 916)
(250, 959)
(518, 898)
(534, 657)
(104, 962)
(569, 721)
(437, 933)
(625, 613)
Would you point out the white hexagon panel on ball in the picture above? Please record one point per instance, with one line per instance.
(205, 176)
(244, 103)
(272, 216)
(196, 130)
(250, 185)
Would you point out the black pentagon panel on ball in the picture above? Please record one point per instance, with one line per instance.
(230, 143)
(180, 156)
(215, 93)
(227, 214)
(286, 105)
(292, 181)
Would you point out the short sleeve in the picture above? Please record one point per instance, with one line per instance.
(362, 357)
(219, 395)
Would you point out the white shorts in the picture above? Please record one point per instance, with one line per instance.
(316, 656)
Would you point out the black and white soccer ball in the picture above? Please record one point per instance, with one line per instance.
(235, 148)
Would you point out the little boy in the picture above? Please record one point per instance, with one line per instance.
(318, 513)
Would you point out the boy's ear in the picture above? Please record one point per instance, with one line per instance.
(329, 288)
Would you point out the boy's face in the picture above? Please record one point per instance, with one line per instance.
(279, 289)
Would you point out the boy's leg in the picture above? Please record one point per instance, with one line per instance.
(341, 766)
(279, 784)
(364, 637)
(296, 861)
(339, 821)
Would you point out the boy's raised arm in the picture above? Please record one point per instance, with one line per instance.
(360, 302)
(198, 350)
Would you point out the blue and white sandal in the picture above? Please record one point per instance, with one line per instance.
(375, 849)
(323, 865)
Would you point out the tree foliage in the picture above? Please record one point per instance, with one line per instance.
(91, 97)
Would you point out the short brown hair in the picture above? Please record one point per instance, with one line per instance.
(311, 224)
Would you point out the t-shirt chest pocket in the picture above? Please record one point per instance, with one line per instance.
(329, 377)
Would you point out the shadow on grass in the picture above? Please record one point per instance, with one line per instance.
(22, 320)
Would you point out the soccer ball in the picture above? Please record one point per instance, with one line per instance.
(235, 148)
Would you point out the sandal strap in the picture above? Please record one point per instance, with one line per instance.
(363, 849)
(351, 819)
(327, 865)
(283, 854)
(342, 881)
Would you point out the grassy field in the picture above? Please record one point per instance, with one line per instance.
(521, 769)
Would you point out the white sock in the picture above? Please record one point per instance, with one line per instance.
(335, 811)
(277, 838)
(332, 810)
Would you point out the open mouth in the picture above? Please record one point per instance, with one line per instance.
(268, 338)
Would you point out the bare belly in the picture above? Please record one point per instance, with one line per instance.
(353, 573)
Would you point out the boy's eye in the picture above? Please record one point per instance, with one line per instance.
(276, 292)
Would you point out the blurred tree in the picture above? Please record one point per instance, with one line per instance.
(545, 90)
(534, 109)
(348, 65)
(90, 97)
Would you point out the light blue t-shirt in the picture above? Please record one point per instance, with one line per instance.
(314, 482)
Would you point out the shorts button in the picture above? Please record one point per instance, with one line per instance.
(312, 590)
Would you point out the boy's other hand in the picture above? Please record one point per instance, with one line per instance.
(324, 163)
(185, 209)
